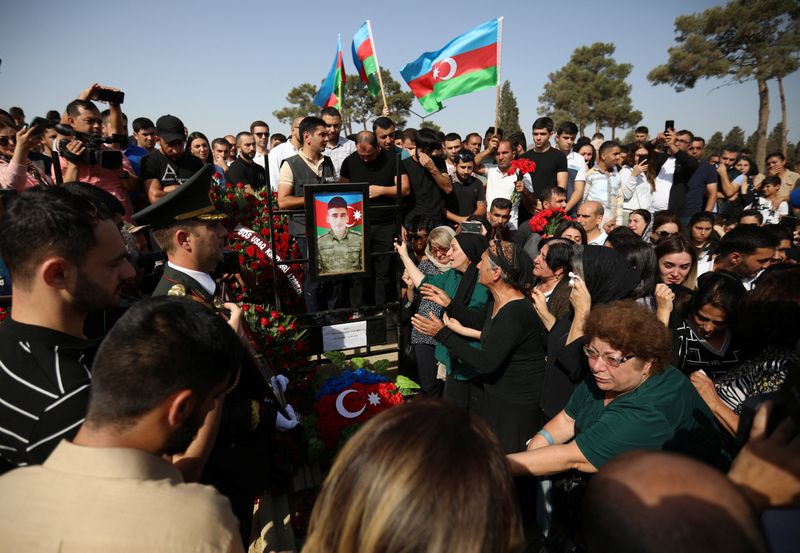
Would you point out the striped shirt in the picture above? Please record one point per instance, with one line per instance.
(44, 390)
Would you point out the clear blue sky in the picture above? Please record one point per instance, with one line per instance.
(220, 65)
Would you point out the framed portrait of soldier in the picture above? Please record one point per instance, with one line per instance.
(336, 219)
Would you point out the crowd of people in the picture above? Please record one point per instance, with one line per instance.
(636, 348)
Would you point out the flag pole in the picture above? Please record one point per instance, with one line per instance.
(341, 80)
(499, 57)
(378, 65)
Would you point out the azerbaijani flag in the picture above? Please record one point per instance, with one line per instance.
(355, 211)
(465, 64)
(364, 58)
(327, 95)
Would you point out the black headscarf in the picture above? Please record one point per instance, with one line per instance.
(608, 275)
(473, 246)
(515, 263)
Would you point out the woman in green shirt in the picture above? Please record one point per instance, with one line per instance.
(631, 400)
(461, 284)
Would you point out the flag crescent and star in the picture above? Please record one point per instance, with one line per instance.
(373, 399)
(437, 69)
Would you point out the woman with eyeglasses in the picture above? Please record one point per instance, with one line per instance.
(435, 261)
(16, 171)
(665, 223)
(460, 286)
(633, 399)
(510, 358)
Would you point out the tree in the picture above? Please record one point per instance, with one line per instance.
(741, 41)
(591, 87)
(715, 143)
(508, 114)
(735, 136)
(430, 125)
(775, 139)
(361, 107)
(752, 142)
(302, 99)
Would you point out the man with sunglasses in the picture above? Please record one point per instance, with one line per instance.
(166, 169)
(468, 197)
(260, 131)
(338, 147)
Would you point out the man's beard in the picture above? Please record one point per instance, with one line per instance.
(88, 295)
(183, 436)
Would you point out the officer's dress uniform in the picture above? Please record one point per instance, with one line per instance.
(239, 463)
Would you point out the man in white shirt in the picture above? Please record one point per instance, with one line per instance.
(576, 165)
(590, 216)
(744, 251)
(338, 147)
(284, 151)
(260, 131)
(500, 185)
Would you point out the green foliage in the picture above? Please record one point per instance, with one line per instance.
(430, 125)
(336, 357)
(508, 114)
(361, 107)
(714, 144)
(735, 136)
(591, 87)
(406, 386)
(741, 41)
(302, 103)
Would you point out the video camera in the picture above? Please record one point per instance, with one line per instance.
(94, 154)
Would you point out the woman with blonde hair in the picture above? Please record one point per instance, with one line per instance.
(385, 494)
(435, 262)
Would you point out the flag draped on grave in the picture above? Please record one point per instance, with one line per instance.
(465, 64)
(331, 90)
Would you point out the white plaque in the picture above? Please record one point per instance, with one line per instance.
(344, 336)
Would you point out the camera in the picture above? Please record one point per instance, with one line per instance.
(94, 154)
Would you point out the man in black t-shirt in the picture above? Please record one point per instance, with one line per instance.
(371, 164)
(468, 196)
(551, 164)
(245, 170)
(165, 170)
(428, 178)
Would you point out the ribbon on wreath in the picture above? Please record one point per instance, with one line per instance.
(255, 239)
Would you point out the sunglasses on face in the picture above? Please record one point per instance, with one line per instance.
(665, 233)
(6, 140)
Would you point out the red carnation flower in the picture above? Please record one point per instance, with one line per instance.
(264, 321)
(240, 186)
(274, 314)
(250, 250)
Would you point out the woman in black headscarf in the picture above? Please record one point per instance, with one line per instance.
(600, 275)
(511, 358)
(461, 284)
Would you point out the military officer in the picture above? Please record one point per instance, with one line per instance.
(340, 249)
(188, 229)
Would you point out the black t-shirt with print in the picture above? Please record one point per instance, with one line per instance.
(156, 165)
(548, 165)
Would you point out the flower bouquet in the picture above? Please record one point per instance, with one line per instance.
(519, 168)
(546, 221)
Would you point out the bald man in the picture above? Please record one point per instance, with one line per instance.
(284, 151)
(653, 502)
(590, 216)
